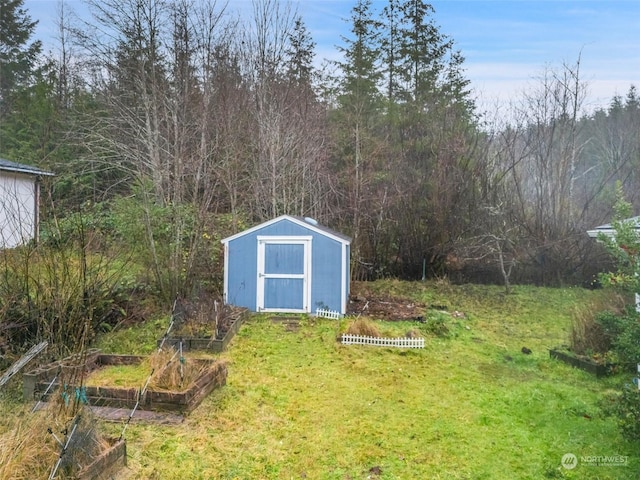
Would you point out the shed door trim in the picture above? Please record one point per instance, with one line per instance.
(304, 276)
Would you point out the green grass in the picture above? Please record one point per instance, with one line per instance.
(125, 376)
(469, 405)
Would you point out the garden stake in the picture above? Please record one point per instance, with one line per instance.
(26, 358)
(55, 437)
(181, 364)
(166, 334)
(135, 407)
(64, 447)
(173, 357)
(44, 395)
(215, 307)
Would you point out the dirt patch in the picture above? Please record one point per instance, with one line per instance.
(291, 324)
(118, 415)
(384, 306)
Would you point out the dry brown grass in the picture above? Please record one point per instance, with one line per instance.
(364, 327)
(30, 451)
(172, 372)
(587, 336)
(27, 451)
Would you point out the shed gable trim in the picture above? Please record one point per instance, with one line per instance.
(301, 222)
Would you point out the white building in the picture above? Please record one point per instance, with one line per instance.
(19, 203)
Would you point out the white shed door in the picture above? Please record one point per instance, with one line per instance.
(284, 274)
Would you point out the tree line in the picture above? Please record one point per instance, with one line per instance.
(172, 123)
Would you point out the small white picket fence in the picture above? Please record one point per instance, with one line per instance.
(400, 342)
(326, 313)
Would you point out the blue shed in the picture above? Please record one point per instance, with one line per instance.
(288, 264)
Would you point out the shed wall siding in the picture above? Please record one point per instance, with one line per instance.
(242, 260)
(327, 273)
(17, 209)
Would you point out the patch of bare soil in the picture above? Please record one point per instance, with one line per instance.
(383, 306)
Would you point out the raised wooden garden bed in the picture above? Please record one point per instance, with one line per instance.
(212, 374)
(581, 362)
(107, 464)
(228, 326)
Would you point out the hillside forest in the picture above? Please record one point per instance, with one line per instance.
(171, 124)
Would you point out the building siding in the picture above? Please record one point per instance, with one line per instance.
(242, 254)
(329, 280)
(18, 209)
(326, 274)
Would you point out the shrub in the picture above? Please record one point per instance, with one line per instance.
(624, 247)
(59, 294)
(628, 411)
(627, 342)
(615, 333)
(611, 324)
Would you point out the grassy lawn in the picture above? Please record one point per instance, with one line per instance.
(470, 405)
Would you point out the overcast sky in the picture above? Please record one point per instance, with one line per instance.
(506, 43)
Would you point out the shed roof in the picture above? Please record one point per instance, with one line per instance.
(607, 229)
(9, 166)
(303, 221)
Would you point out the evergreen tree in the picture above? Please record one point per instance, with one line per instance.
(361, 67)
(431, 129)
(300, 54)
(390, 44)
(18, 56)
(422, 51)
(30, 128)
(455, 89)
(357, 120)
